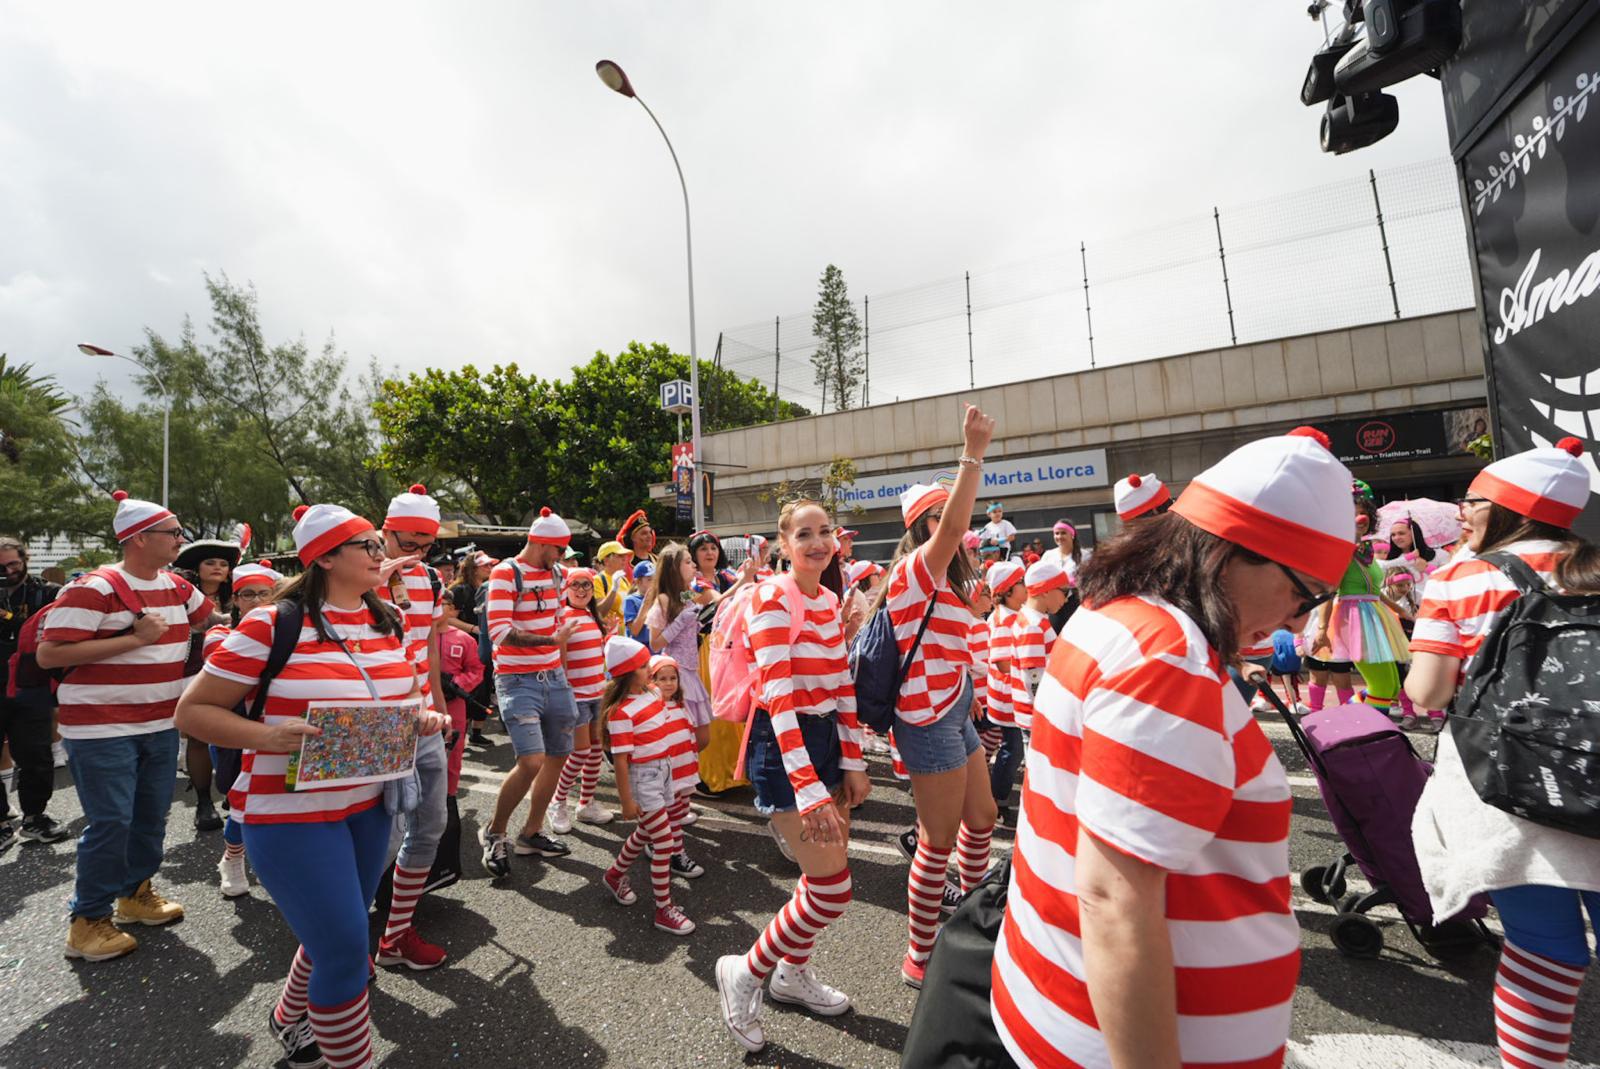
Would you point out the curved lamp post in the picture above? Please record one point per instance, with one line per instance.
(166, 402)
(617, 81)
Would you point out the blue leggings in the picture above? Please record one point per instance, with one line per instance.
(1549, 920)
(1007, 759)
(233, 832)
(322, 877)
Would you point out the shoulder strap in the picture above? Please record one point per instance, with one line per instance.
(434, 582)
(916, 643)
(516, 576)
(796, 604)
(286, 626)
(119, 586)
(1516, 569)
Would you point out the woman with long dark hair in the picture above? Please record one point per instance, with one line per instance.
(674, 627)
(930, 580)
(319, 852)
(1148, 920)
(1542, 879)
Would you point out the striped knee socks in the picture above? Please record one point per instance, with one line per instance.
(924, 895)
(569, 776)
(655, 827)
(344, 1033)
(972, 855)
(408, 885)
(292, 1003)
(815, 904)
(1535, 999)
(590, 774)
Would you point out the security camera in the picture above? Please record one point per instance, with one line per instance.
(1403, 38)
(1353, 122)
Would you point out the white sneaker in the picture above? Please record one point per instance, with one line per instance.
(234, 880)
(595, 813)
(799, 986)
(561, 819)
(1260, 705)
(741, 1002)
(8, 776)
(58, 754)
(777, 837)
(690, 817)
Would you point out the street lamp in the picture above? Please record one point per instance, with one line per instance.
(617, 81)
(166, 400)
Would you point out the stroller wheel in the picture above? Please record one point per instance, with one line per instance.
(1315, 882)
(1356, 936)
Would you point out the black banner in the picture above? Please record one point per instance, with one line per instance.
(1533, 199)
(1405, 437)
(1500, 40)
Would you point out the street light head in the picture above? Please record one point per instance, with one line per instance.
(614, 78)
(93, 350)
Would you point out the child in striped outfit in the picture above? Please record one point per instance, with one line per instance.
(641, 733)
(586, 671)
(684, 757)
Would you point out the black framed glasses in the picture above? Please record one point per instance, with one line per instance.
(1309, 599)
(253, 593)
(177, 533)
(409, 547)
(1471, 502)
(373, 547)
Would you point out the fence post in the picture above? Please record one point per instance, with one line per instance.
(1383, 236)
(777, 360)
(1083, 255)
(866, 335)
(1227, 291)
(972, 382)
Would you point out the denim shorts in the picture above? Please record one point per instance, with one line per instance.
(764, 759)
(538, 712)
(587, 711)
(942, 746)
(651, 782)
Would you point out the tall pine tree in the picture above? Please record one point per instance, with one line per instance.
(838, 361)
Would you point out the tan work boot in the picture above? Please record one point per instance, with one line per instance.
(97, 939)
(147, 907)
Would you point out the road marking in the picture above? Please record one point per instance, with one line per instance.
(1347, 1051)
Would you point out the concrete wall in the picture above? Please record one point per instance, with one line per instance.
(1173, 416)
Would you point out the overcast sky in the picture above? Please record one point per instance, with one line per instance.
(450, 183)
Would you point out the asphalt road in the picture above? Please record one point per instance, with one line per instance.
(546, 970)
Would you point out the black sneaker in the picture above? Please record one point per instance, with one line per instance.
(205, 815)
(478, 738)
(299, 1046)
(907, 842)
(952, 898)
(685, 866)
(542, 845)
(42, 829)
(8, 834)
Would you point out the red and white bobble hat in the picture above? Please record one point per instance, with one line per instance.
(413, 511)
(549, 529)
(135, 516)
(1138, 494)
(1004, 574)
(320, 529)
(1548, 485)
(624, 656)
(1045, 576)
(256, 574)
(919, 498)
(1286, 498)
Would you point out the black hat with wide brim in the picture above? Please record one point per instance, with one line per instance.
(208, 549)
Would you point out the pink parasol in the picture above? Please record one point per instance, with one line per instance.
(1440, 521)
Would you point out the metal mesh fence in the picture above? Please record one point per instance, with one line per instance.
(1362, 250)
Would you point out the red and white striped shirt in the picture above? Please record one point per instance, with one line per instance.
(316, 671)
(1033, 639)
(213, 639)
(642, 727)
(683, 753)
(1002, 641)
(536, 612)
(810, 678)
(136, 691)
(978, 643)
(932, 685)
(1462, 600)
(586, 659)
(1141, 740)
(419, 622)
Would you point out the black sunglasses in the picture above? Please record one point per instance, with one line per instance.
(1309, 600)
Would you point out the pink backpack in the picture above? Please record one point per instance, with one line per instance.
(733, 662)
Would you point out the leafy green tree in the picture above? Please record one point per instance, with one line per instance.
(41, 488)
(838, 361)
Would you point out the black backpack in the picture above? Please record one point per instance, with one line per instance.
(227, 761)
(877, 669)
(1527, 719)
(952, 1027)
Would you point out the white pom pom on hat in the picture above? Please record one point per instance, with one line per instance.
(1550, 484)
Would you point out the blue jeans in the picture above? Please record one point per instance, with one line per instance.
(125, 786)
(1007, 759)
(538, 712)
(416, 835)
(322, 877)
(942, 746)
(1549, 920)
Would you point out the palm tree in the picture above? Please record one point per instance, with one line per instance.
(31, 393)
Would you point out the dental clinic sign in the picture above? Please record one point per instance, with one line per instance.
(1024, 475)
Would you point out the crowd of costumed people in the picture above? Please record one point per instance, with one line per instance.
(1108, 707)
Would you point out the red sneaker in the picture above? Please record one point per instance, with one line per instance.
(912, 973)
(672, 921)
(621, 890)
(411, 950)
